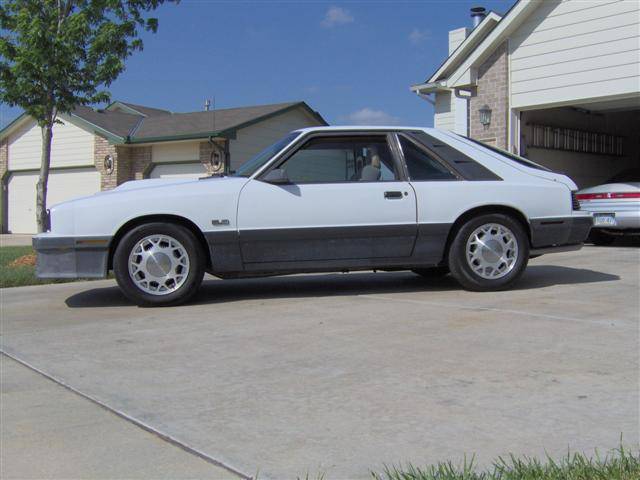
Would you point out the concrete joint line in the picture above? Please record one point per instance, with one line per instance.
(606, 323)
(139, 423)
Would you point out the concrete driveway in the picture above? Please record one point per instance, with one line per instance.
(342, 373)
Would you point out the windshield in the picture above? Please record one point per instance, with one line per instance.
(511, 156)
(249, 167)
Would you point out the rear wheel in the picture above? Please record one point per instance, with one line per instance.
(489, 252)
(600, 238)
(159, 264)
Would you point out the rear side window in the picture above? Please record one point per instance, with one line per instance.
(511, 156)
(466, 166)
(421, 165)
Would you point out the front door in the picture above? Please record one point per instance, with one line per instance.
(345, 201)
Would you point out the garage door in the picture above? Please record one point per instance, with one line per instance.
(178, 170)
(63, 185)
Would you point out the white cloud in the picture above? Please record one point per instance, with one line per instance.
(336, 16)
(369, 116)
(418, 36)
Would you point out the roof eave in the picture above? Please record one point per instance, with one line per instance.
(223, 134)
(426, 88)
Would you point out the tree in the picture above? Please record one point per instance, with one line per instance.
(57, 54)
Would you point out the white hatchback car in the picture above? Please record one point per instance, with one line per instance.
(323, 199)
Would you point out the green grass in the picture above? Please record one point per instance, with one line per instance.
(620, 464)
(22, 275)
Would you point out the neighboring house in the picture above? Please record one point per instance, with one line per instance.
(557, 81)
(97, 150)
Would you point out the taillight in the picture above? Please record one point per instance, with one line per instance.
(575, 204)
(607, 195)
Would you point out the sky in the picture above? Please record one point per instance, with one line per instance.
(353, 61)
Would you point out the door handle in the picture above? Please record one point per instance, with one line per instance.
(392, 195)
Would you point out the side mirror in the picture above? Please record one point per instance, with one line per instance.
(277, 176)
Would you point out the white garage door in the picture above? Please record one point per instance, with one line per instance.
(63, 185)
(178, 170)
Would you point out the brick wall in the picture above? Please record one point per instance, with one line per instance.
(205, 155)
(140, 162)
(101, 149)
(492, 90)
(4, 157)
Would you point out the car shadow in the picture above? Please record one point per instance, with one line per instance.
(338, 284)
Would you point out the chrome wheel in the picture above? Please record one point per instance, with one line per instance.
(492, 251)
(158, 264)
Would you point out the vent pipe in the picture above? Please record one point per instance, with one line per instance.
(477, 15)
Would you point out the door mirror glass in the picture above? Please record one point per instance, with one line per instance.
(277, 176)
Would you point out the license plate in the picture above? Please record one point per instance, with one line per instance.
(604, 220)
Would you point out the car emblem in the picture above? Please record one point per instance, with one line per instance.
(219, 223)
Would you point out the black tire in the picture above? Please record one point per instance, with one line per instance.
(432, 272)
(462, 271)
(190, 284)
(600, 238)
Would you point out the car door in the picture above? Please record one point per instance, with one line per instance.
(338, 197)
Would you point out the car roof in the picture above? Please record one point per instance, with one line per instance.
(355, 128)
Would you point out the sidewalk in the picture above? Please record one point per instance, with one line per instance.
(50, 432)
(15, 239)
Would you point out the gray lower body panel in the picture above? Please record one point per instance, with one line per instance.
(71, 257)
(279, 251)
(550, 232)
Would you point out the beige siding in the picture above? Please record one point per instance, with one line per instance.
(176, 152)
(570, 50)
(72, 146)
(444, 112)
(255, 138)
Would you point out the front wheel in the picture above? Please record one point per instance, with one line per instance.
(489, 252)
(159, 264)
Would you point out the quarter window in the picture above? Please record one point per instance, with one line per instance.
(421, 165)
(341, 159)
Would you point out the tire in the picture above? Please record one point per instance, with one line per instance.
(601, 239)
(179, 255)
(484, 270)
(431, 272)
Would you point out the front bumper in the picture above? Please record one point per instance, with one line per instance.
(71, 257)
(559, 233)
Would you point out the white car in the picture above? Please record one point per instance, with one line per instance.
(615, 206)
(323, 199)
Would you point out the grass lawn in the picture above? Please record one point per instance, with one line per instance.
(621, 464)
(21, 274)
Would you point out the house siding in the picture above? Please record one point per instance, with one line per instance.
(444, 111)
(255, 138)
(71, 147)
(492, 90)
(176, 152)
(569, 50)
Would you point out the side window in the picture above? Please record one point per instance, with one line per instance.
(341, 159)
(421, 165)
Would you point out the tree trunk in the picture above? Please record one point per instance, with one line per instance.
(43, 180)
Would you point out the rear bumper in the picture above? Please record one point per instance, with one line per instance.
(71, 257)
(559, 233)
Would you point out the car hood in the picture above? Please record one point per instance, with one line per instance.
(613, 187)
